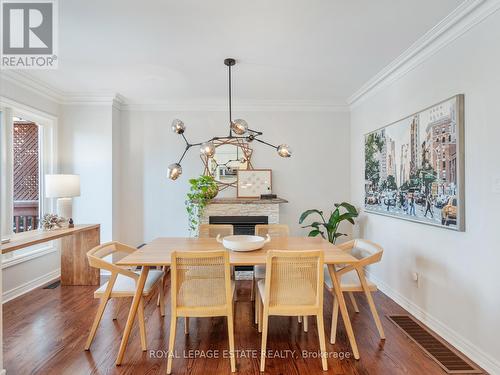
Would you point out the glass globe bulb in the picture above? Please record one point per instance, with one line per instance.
(207, 149)
(178, 126)
(174, 171)
(284, 151)
(239, 126)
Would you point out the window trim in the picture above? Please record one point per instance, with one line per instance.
(47, 164)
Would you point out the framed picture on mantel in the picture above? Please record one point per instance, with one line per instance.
(253, 183)
(414, 167)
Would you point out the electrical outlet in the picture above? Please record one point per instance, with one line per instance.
(495, 184)
(415, 276)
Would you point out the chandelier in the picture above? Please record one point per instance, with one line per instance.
(238, 129)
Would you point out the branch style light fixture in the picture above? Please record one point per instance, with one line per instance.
(238, 130)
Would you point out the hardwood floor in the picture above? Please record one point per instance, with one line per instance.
(45, 332)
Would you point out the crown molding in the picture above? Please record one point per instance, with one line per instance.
(243, 105)
(469, 14)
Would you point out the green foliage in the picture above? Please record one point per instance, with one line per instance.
(331, 225)
(373, 145)
(201, 191)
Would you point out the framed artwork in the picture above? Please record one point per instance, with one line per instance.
(414, 167)
(253, 183)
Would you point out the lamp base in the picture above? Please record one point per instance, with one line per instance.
(65, 208)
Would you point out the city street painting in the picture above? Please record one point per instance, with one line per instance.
(414, 167)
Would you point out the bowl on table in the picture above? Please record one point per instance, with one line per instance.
(243, 242)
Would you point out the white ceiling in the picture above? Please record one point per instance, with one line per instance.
(164, 50)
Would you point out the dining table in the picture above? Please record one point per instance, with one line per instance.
(158, 253)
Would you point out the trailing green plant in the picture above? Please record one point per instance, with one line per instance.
(328, 228)
(202, 189)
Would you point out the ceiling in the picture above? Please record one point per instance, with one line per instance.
(164, 50)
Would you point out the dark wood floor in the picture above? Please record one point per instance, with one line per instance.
(45, 331)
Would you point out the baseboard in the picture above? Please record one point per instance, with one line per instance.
(488, 363)
(3, 372)
(30, 285)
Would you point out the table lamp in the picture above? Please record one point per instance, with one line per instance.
(63, 187)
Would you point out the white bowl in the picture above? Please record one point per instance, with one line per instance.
(243, 242)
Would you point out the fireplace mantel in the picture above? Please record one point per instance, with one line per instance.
(247, 201)
(243, 207)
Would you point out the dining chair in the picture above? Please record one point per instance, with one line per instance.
(212, 230)
(201, 286)
(293, 286)
(259, 271)
(352, 278)
(121, 284)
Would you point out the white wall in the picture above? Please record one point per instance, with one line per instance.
(316, 176)
(458, 293)
(86, 148)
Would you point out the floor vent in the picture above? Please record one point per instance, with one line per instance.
(436, 348)
(53, 285)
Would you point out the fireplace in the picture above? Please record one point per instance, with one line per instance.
(241, 224)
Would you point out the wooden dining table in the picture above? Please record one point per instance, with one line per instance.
(158, 253)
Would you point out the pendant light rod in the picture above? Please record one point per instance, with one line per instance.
(229, 62)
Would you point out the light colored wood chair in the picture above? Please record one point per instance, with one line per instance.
(352, 279)
(121, 284)
(293, 287)
(259, 271)
(213, 230)
(201, 286)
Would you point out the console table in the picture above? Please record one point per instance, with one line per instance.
(75, 242)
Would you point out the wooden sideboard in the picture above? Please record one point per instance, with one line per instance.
(75, 242)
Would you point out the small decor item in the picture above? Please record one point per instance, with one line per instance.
(203, 189)
(63, 187)
(254, 183)
(51, 221)
(239, 134)
(243, 242)
(414, 168)
(268, 196)
(331, 226)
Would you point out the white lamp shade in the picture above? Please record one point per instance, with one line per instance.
(62, 185)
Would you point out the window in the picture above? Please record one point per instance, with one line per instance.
(26, 173)
(28, 147)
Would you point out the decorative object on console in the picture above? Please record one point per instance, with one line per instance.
(254, 183)
(202, 190)
(63, 187)
(414, 168)
(51, 221)
(331, 226)
(242, 133)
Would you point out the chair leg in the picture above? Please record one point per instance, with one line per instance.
(254, 287)
(335, 318)
(171, 342)
(161, 298)
(261, 314)
(353, 301)
(299, 319)
(322, 344)
(265, 319)
(256, 309)
(142, 326)
(306, 323)
(186, 325)
(97, 320)
(373, 309)
(230, 329)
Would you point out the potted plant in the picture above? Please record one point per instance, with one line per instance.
(328, 228)
(202, 190)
